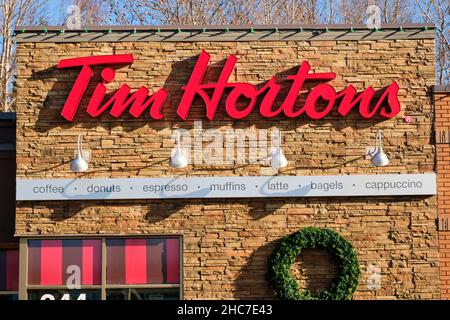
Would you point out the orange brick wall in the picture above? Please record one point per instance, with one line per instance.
(442, 123)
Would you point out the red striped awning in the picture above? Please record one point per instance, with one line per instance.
(128, 261)
(143, 261)
(48, 261)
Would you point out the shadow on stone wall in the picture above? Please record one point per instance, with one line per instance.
(314, 269)
(49, 112)
(252, 281)
(156, 210)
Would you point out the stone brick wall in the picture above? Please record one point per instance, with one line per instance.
(227, 242)
(442, 127)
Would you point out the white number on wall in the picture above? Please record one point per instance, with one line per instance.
(65, 296)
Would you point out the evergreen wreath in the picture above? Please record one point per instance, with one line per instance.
(343, 285)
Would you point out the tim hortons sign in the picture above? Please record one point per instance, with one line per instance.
(368, 103)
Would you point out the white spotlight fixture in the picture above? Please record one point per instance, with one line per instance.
(80, 163)
(178, 160)
(277, 158)
(379, 158)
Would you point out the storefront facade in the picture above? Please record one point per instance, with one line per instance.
(203, 246)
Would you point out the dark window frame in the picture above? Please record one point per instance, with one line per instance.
(7, 246)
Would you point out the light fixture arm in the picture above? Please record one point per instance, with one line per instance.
(277, 158)
(379, 158)
(79, 163)
(376, 142)
(279, 138)
(178, 160)
(80, 146)
(380, 146)
(178, 141)
(279, 145)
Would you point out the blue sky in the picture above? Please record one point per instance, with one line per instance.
(57, 10)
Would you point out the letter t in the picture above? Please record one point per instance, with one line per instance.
(85, 75)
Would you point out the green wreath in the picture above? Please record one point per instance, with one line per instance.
(346, 280)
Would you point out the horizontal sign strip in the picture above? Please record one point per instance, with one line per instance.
(226, 187)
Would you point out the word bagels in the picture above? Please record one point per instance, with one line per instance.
(369, 103)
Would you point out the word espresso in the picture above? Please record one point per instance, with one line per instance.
(386, 105)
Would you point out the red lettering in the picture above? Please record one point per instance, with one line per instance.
(391, 93)
(194, 86)
(94, 108)
(365, 98)
(241, 89)
(324, 91)
(85, 75)
(349, 101)
(137, 102)
(298, 81)
(266, 105)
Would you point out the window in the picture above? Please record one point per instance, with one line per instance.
(142, 261)
(52, 262)
(64, 269)
(150, 268)
(9, 274)
(106, 268)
